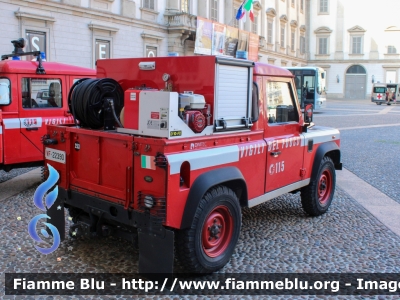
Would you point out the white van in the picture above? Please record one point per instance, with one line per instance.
(379, 95)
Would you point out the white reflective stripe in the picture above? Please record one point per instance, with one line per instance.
(203, 158)
(320, 135)
(12, 123)
(1, 129)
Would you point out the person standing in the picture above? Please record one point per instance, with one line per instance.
(389, 95)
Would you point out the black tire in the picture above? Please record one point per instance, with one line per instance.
(378, 103)
(317, 196)
(208, 244)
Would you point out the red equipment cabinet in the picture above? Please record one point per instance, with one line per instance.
(162, 179)
(29, 107)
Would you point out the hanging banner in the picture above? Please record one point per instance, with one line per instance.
(253, 47)
(243, 45)
(204, 33)
(218, 47)
(231, 40)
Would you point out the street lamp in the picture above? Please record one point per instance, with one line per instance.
(373, 79)
(337, 78)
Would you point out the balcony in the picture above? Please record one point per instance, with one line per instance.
(180, 20)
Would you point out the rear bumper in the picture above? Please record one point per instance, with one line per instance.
(156, 243)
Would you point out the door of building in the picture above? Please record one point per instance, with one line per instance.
(355, 82)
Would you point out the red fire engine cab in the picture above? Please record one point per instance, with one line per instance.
(32, 95)
(169, 149)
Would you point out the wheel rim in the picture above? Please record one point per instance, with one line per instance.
(217, 231)
(325, 187)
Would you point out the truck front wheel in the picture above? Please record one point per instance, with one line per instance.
(208, 244)
(317, 196)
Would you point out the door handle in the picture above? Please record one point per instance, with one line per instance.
(31, 129)
(275, 154)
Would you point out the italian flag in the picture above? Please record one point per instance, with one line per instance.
(249, 7)
(148, 162)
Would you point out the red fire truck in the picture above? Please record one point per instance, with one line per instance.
(32, 95)
(198, 139)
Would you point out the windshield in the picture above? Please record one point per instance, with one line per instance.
(5, 87)
(379, 89)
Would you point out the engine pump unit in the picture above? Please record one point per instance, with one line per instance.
(166, 114)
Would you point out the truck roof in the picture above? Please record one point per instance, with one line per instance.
(29, 67)
(270, 70)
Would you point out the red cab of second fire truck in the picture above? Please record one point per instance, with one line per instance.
(34, 101)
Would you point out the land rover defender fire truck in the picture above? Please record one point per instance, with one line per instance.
(169, 149)
(32, 95)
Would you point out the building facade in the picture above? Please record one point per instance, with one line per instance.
(356, 42)
(81, 31)
(332, 34)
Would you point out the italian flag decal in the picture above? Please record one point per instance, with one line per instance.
(148, 162)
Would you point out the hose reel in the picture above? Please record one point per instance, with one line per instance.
(96, 103)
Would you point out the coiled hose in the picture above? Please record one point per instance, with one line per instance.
(87, 98)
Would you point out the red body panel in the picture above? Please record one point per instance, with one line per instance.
(22, 128)
(188, 73)
(131, 109)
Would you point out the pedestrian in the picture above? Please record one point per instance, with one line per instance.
(389, 95)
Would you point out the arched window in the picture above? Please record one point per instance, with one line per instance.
(356, 69)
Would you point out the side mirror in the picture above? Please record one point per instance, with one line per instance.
(308, 113)
(308, 116)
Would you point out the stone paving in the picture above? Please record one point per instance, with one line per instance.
(4, 176)
(276, 236)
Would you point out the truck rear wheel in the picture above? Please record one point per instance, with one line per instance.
(317, 196)
(208, 244)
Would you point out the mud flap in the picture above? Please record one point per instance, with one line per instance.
(57, 217)
(156, 254)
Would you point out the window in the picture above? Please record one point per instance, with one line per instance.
(323, 6)
(323, 45)
(356, 69)
(292, 3)
(254, 25)
(148, 4)
(302, 45)
(185, 5)
(356, 47)
(391, 76)
(269, 33)
(302, 4)
(36, 41)
(281, 104)
(282, 36)
(102, 50)
(293, 38)
(5, 91)
(151, 51)
(214, 10)
(392, 50)
(41, 93)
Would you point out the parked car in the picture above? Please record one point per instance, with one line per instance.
(41, 98)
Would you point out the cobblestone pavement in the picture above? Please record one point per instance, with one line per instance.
(370, 153)
(276, 237)
(4, 176)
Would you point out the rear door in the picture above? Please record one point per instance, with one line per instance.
(35, 115)
(282, 135)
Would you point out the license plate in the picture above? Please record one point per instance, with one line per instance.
(55, 155)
